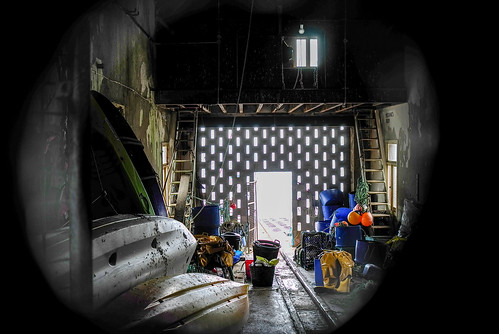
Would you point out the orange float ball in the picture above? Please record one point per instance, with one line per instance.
(354, 218)
(366, 219)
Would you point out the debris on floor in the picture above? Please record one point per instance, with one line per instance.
(318, 285)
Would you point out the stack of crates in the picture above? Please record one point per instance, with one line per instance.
(312, 245)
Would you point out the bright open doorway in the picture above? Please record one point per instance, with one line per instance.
(274, 208)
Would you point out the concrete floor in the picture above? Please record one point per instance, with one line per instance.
(283, 308)
(287, 307)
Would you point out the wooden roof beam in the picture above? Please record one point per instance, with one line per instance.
(221, 106)
(294, 108)
(205, 109)
(312, 108)
(279, 106)
(260, 106)
(327, 108)
(347, 108)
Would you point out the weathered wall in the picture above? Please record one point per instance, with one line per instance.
(122, 67)
(415, 126)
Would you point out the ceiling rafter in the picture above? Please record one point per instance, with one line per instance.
(222, 107)
(330, 107)
(294, 108)
(279, 106)
(255, 109)
(348, 108)
(204, 108)
(309, 109)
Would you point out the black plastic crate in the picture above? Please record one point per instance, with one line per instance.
(312, 245)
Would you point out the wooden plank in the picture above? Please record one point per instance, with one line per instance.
(182, 198)
(294, 108)
(260, 106)
(330, 107)
(222, 107)
(312, 108)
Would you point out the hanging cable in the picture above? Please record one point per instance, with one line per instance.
(245, 53)
(345, 41)
(296, 80)
(282, 63)
(219, 42)
(238, 96)
(237, 104)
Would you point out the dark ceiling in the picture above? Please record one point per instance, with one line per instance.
(227, 57)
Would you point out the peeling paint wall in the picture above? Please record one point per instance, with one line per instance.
(415, 127)
(395, 124)
(122, 68)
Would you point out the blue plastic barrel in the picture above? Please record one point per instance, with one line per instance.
(340, 214)
(206, 219)
(328, 210)
(367, 251)
(351, 200)
(347, 236)
(323, 226)
(208, 216)
(331, 196)
(319, 281)
(206, 230)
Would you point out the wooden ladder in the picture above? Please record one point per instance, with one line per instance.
(182, 171)
(372, 163)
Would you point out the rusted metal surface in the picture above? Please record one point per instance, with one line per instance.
(187, 303)
(126, 251)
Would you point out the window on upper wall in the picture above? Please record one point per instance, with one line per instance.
(306, 52)
(301, 52)
(314, 52)
(391, 174)
(392, 151)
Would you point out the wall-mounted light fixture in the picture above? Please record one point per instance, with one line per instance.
(301, 31)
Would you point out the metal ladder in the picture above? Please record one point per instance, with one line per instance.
(372, 157)
(182, 173)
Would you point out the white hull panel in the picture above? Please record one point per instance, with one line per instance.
(126, 251)
(187, 303)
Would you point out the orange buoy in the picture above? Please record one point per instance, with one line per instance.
(366, 219)
(354, 218)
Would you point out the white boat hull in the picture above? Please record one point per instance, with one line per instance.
(187, 303)
(126, 251)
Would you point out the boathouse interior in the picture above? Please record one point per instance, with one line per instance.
(256, 107)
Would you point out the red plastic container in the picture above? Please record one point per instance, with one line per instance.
(247, 264)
